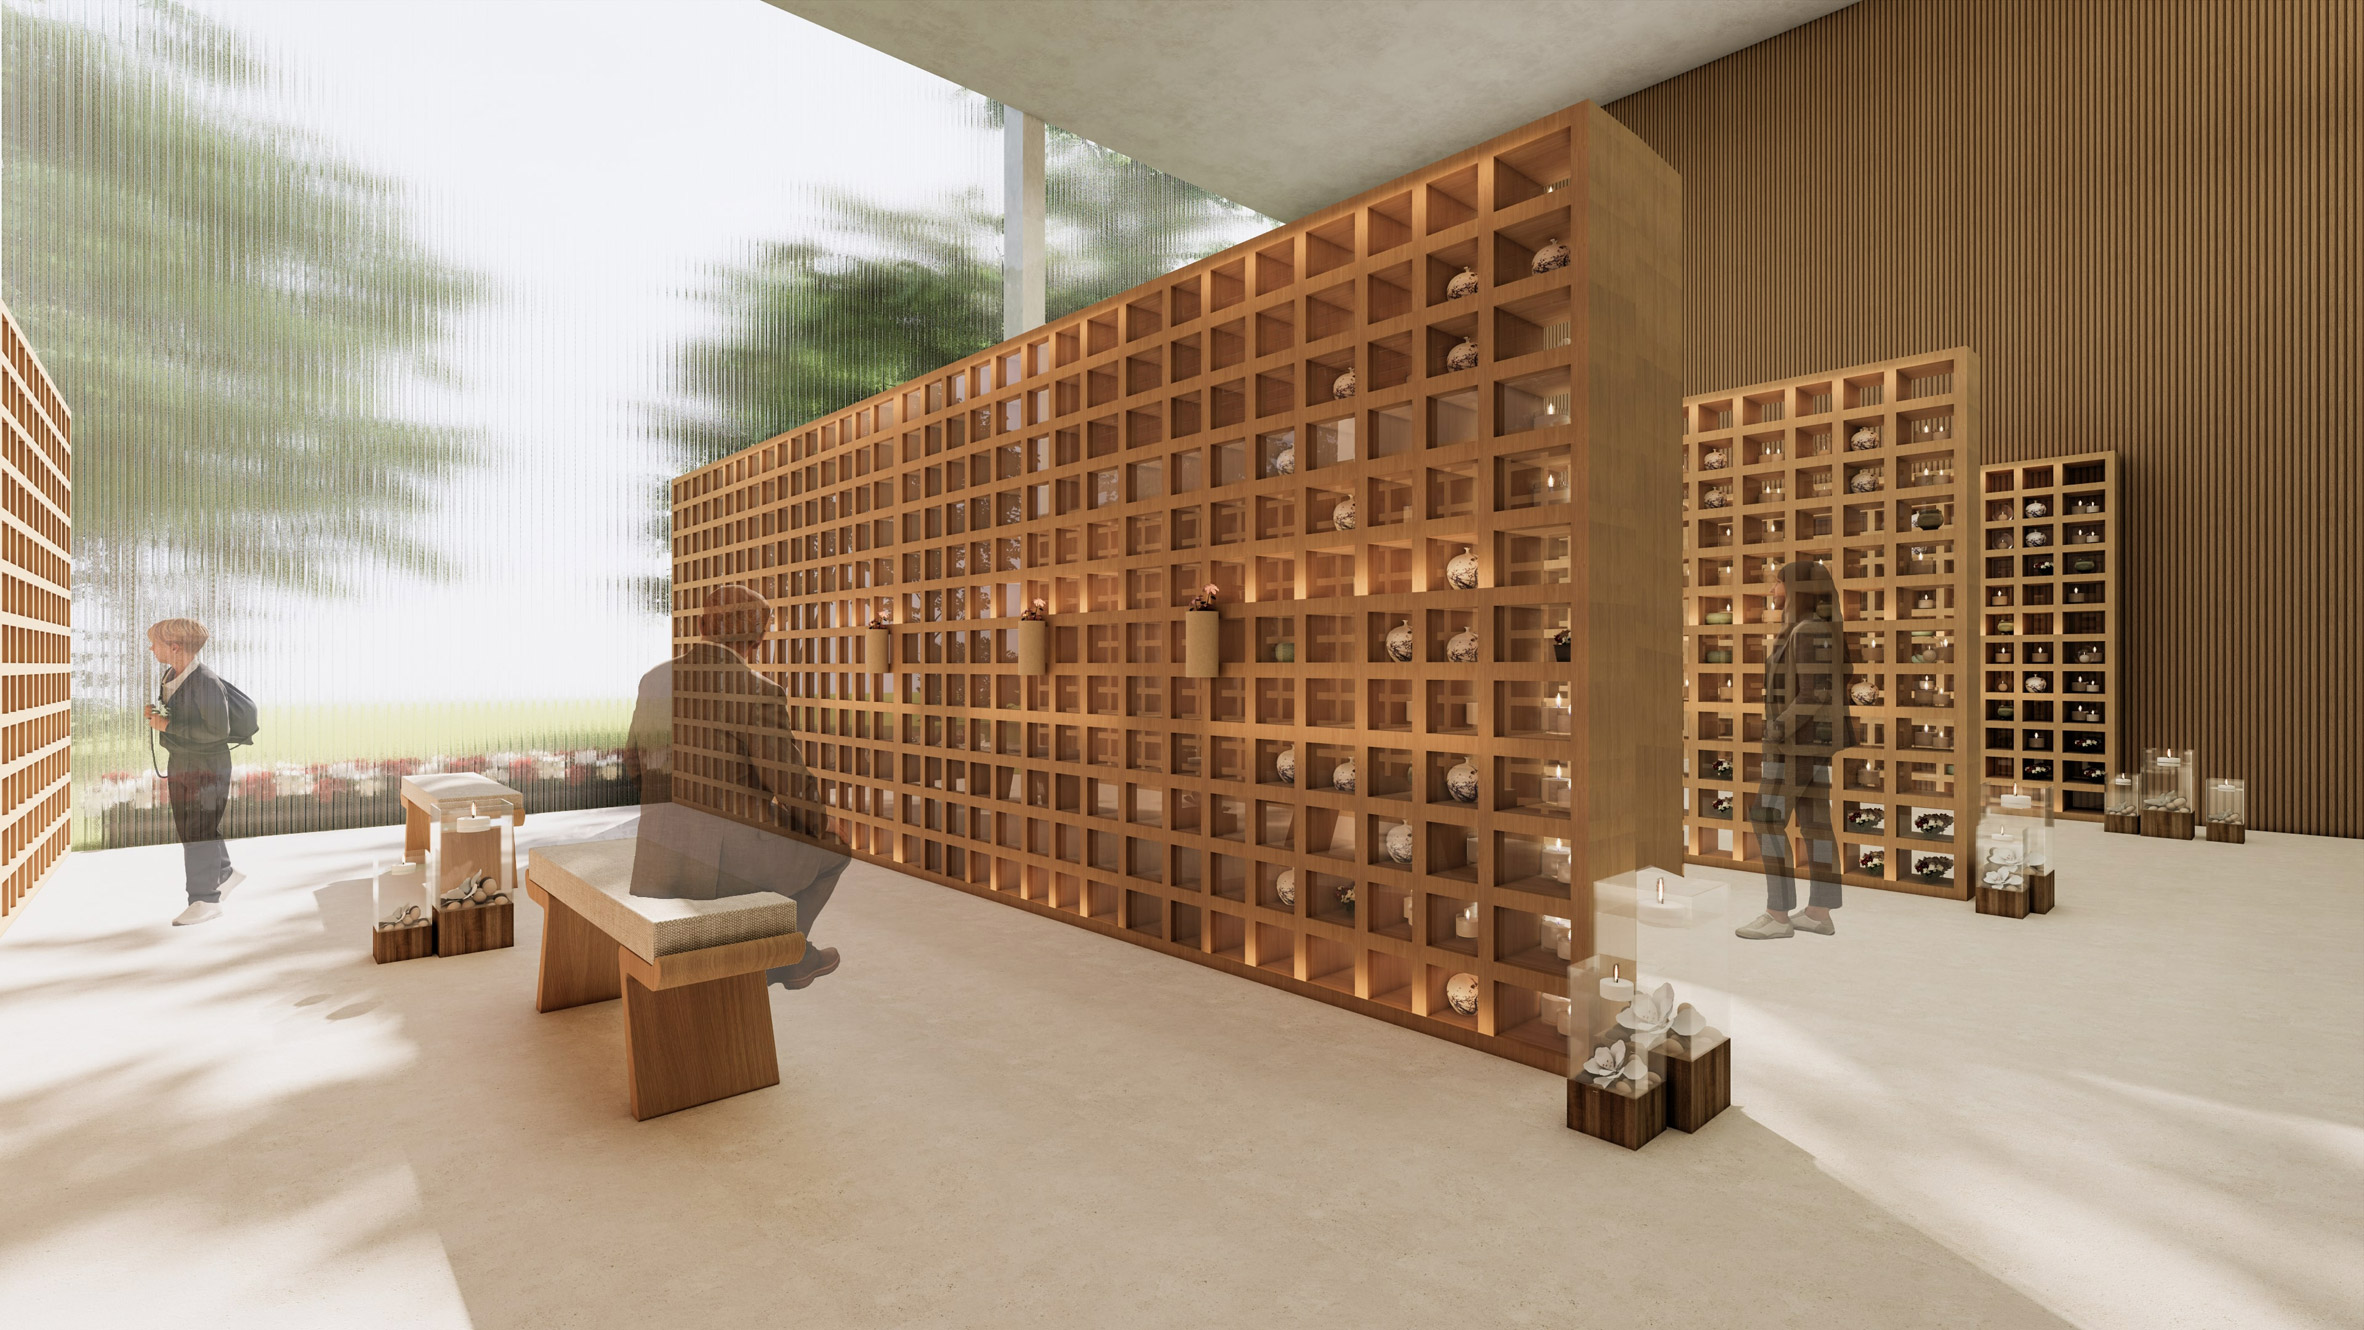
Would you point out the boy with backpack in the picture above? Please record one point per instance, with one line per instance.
(198, 715)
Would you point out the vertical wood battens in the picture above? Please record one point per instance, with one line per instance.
(2142, 213)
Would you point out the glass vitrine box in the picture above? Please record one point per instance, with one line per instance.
(472, 852)
(2168, 805)
(399, 894)
(2227, 809)
(2121, 808)
(1616, 1069)
(2015, 849)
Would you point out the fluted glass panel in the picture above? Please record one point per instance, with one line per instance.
(384, 322)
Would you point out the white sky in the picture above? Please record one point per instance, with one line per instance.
(589, 156)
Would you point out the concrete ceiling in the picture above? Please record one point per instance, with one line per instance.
(1290, 105)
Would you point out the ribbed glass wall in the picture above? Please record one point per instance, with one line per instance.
(380, 344)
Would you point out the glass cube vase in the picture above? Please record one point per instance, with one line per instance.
(2227, 800)
(2168, 788)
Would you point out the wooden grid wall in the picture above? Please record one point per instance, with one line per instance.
(1785, 471)
(2048, 606)
(2169, 276)
(1117, 459)
(36, 617)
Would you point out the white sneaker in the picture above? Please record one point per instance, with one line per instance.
(223, 892)
(1764, 926)
(199, 912)
(1806, 923)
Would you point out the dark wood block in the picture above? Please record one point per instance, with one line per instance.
(402, 944)
(2127, 823)
(1995, 900)
(2172, 826)
(2039, 893)
(2228, 833)
(1630, 1121)
(1698, 1088)
(465, 928)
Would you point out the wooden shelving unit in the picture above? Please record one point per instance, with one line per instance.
(2049, 698)
(1119, 458)
(1771, 474)
(36, 619)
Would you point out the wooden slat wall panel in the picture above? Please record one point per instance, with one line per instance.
(2144, 217)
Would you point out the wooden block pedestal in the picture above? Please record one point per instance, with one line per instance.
(2228, 833)
(2127, 823)
(460, 929)
(1632, 1121)
(1998, 901)
(402, 944)
(2039, 893)
(2172, 826)
(1697, 1088)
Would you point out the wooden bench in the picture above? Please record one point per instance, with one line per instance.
(697, 1021)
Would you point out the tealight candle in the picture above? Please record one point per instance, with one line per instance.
(1557, 789)
(1617, 988)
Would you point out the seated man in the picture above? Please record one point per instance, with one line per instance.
(720, 781)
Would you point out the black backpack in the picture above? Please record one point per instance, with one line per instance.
(242, 722)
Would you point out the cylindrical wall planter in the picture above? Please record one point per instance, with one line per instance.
(1202, 643)
(1034, 646)
(876, 643)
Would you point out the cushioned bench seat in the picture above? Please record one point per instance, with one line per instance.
(697, 1019)
(594, 878)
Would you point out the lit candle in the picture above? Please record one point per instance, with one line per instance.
(1555, 860)
(1557, 790)
(1556, 934)
(1617, 988)
(1465, 924)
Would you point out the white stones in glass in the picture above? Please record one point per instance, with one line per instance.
(1461, 571)
(1463, 648)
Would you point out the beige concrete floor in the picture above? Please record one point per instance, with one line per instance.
(2146, 1110)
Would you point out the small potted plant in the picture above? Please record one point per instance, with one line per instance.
(1034, 638)
(1202, 635)
(878, 641)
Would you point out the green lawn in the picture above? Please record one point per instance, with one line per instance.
(110, 741)
(105, 742)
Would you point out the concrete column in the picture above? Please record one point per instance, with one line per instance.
(1021, 227)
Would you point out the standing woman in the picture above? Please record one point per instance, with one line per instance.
(192, 716)
(1805, 729)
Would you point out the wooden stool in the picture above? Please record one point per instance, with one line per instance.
(697, 1021)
